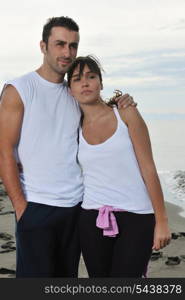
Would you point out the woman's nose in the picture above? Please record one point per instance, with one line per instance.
(84, 82)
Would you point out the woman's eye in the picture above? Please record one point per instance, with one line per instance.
(76, 79)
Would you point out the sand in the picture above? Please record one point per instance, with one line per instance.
(157, 268)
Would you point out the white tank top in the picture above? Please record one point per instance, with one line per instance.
(48, 142)
(111, 173)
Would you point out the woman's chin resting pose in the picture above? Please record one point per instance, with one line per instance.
(123, 216)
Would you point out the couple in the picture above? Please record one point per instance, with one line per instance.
(119, 187)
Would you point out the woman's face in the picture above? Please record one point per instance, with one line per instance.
(85, 89)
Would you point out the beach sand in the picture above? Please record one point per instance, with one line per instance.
(157, 267)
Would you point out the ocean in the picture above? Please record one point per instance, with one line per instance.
(168, 146)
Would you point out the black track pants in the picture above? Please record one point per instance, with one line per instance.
(47, 241)
(126, 255)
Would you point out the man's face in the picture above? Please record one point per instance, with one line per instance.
(61, 49)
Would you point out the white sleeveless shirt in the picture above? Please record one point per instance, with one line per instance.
(48, 142)
(111, 173)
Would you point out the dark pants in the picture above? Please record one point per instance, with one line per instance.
(47, 241)
(125, 255)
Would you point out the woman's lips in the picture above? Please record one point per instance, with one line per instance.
(86, 92)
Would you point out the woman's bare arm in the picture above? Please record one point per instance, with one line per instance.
(142, 146)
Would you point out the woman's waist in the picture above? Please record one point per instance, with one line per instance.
(130, 203)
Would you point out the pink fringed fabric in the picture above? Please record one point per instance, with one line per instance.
(106, 220)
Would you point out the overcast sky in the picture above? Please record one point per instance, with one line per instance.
(140, 43)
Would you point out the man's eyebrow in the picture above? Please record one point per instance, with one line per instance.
(61, 41)
(64, 42)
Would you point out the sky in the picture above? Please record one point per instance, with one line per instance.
(140, 44)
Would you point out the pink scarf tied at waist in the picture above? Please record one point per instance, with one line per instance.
(106, 220)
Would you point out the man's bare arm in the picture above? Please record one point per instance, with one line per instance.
(11, 115)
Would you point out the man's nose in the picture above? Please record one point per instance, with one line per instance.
(67, 51)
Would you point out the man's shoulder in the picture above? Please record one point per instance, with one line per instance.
(23, 78)
(24, 85)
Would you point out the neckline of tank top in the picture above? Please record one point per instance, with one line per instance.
(48, 83)
(119, 122)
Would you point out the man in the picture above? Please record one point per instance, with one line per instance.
(40, 120)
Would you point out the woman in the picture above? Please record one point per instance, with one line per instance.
(123, 215)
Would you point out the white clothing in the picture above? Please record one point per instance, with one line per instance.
(111, 173)
(48, 144)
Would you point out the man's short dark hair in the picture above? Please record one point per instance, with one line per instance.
(58, 22)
